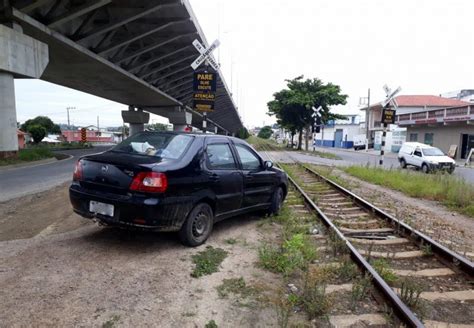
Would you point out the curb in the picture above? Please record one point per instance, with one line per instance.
(33, 164)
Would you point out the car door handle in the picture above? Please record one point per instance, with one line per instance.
(214, 177)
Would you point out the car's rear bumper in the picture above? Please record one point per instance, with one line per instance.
(133, 211)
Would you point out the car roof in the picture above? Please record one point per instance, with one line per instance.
(417, 144)
(196, 134)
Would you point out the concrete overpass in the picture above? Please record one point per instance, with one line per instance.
(135, 52)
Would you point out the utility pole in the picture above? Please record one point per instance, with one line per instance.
(68, 108)
(367, 123)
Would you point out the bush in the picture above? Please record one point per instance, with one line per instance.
(266, 132)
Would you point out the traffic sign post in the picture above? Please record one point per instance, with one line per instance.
(83, 135)
(388, 116)
(204, 83)
(316, 123)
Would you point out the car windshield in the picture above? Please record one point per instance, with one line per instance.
(432, 152)
(164, 145)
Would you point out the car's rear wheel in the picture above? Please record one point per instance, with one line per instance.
(277, 201)
(403, 163)
(198, 226)
(425, 168)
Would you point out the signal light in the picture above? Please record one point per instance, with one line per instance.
(153, 182)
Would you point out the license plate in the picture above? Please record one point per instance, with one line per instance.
(101, 208)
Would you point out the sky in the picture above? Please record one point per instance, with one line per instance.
(423, 46)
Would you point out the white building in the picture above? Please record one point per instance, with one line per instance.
(340, 133)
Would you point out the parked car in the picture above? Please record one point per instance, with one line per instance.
(359, 142)
(425, 157)
(176, 182)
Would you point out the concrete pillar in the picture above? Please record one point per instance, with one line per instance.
(180, 120)
(8, 134)
(20, 57)
(136, 119)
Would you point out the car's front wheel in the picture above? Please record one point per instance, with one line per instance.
(403, 163)
(277, 201)
(198, 225)
(425, 168)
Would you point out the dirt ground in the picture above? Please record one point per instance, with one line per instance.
(57, 269)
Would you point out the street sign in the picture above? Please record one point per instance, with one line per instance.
(388, 116)
(205, 54)
(202, 105)
(205, 82)
(83, 135)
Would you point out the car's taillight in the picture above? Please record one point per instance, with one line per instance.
(77, 176)
(149, 182)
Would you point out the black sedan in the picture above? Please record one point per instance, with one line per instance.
(176, 182)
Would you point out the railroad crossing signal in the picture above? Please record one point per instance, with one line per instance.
(205, 54)
(83, 135)
(317, 119)
(390, 96)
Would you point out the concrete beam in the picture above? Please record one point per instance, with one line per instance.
(137, 37)
(161, 68)
(120, 22)
(173, 72)
(154, 60)
(22, 55)
(152, 47)
(77, 12)
(34, 5)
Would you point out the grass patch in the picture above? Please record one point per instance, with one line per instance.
(111, 322)
(230, 241)
(211, 324)
(383, 269)
(208, 261)
(28, 155)
(450, 191)
(236, 286)
(322, 154)
(264, 144)
(294, 254)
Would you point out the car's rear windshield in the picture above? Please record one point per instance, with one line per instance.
(164, 145)
(432, 152)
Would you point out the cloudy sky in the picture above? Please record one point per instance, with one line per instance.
(424, 46)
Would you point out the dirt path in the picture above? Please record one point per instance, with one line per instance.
(66, 271)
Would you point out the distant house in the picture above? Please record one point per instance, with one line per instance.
(93, 134)
(340, 133)
(21, 138)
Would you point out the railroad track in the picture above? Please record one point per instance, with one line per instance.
(414, 273)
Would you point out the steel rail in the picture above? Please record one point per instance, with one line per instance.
(465, 264)
(401, 309)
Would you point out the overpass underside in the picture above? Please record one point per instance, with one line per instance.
(135, 52)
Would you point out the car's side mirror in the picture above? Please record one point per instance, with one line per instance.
(268, 164)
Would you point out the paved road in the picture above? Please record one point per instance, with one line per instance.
(359, 158)
(17, 182)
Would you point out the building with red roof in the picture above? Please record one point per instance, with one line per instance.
(434, 120)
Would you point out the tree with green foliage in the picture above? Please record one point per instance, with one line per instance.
(37, 132)
(157, 127)
(243, 133)
(266, 132)
(43, 121)
(293, 106)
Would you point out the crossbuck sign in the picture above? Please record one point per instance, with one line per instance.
(205, 54)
